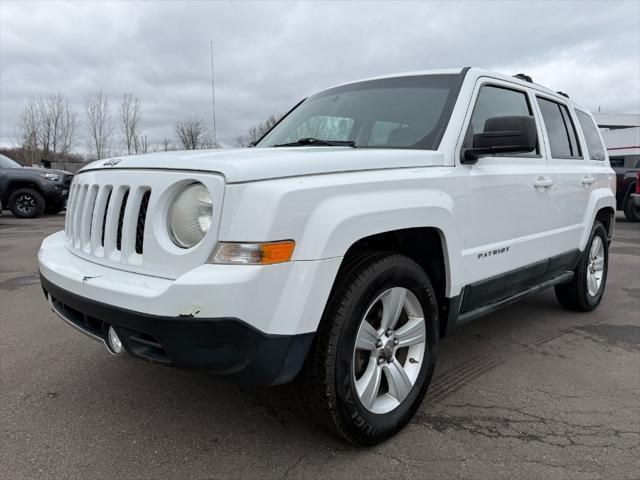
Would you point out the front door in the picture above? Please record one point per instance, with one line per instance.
(510, 204)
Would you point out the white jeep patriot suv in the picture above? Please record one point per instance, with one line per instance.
(373, 219)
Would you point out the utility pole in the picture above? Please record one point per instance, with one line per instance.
(213, 102)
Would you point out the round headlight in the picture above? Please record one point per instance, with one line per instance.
(190, 215)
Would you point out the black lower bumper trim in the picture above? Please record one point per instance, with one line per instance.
(224, 347)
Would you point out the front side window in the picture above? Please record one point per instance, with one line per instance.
(401, 112)
(594, 144)
(493, 102)
(560, 129)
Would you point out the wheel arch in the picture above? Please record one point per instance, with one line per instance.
(602, 206)
(427, 246)
(16, 184)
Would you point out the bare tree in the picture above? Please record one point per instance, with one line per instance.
(192, 133)
(256, 132)
(130, 120)
(68, 133)
(99, 123)
(28, 127)
(57, 125)
(47, 127)
(166, 145)
(143, 143)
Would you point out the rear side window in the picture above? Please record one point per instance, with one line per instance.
(616, 161)
(594, 144)
(495, 101)
(560, 129)
(626, 161)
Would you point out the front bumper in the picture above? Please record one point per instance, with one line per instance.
(225, 347)
(252, 324)
(55, 192)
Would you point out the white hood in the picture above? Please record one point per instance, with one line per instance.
(250, 164)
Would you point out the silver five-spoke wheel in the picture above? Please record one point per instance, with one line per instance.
(595, 266)
(389, 350)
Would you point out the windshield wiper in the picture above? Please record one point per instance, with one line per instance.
(317, 141)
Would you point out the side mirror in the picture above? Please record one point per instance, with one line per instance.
(516, 134)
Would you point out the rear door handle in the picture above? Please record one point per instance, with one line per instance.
(543, 182)
(588, 180)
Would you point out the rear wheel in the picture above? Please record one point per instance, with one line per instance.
(584, 292)
(26, 203)
(374, 353)
(630, 210)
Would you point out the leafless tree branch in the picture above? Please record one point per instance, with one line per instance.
(130, 113)
(256, 132)
(99, 123)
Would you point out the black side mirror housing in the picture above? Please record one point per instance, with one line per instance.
(514, 134)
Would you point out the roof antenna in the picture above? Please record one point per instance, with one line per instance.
(213, 102)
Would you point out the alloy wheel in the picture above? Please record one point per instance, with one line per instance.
(595, 266)
(25, 204)
(389, 350)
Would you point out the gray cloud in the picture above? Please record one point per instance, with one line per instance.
(270, 54)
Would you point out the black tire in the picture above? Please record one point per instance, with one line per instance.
(26, 203)
(630, 210)
(54, 208)
(575, 295)
(326, 386)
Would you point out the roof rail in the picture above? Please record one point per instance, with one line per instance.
(563, 94)
(524, 77)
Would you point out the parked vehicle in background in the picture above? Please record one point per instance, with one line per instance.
(635, 196)
(621, 134)
(371, 221)
(29, 191)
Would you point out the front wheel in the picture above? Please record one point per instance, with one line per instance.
(26, 203)
(375, 351)
(584, 292)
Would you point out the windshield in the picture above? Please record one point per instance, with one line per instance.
(6, 162)
(401, 112)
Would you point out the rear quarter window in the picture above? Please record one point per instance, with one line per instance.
(595, 148)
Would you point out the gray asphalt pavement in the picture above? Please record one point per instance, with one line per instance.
(530, 392)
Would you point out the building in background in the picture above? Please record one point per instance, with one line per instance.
(621, 133)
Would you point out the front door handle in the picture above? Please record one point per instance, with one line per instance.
(543, 182)
(588, 180)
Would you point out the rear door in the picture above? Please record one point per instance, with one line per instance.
(509, 200)
(570, 173)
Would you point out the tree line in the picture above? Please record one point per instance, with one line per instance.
(49, 128)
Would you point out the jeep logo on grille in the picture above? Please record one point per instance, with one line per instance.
(111, 163)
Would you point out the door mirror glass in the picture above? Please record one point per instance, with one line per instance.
(511, 134)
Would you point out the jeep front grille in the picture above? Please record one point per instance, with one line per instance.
(117, 218)
(107, 220)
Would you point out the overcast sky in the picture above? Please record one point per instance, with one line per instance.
(269, 55)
